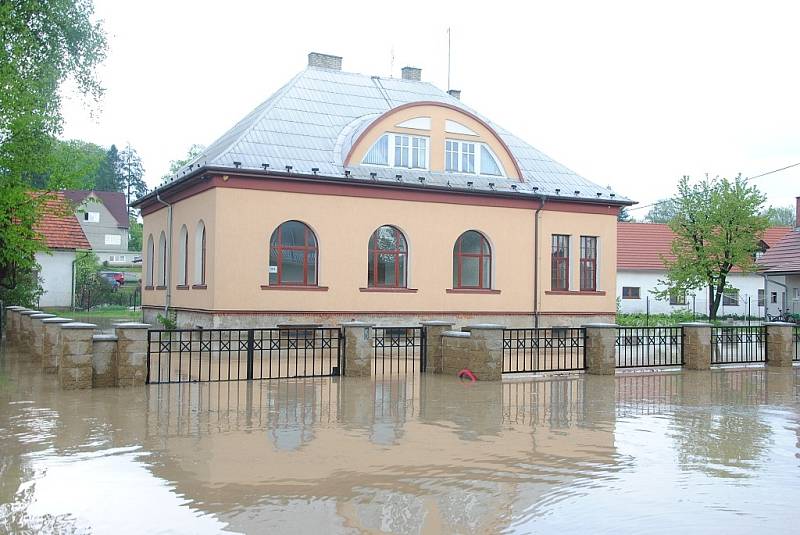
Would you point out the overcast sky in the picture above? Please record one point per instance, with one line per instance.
(628, 94)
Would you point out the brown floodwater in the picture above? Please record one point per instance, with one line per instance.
(692, 452)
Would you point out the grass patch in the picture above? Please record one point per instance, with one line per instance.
(106, 312)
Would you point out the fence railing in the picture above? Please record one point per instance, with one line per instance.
(540, 350)
(796, 343)
(398, 350)
(188, 355)
(649, 347)
(738, 345)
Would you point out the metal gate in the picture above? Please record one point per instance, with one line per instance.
(203, 355)
(398, 350)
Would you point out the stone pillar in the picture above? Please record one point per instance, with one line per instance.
(433, 343)
(104, 360)
(131, 353)
(358, 348)
(75, 361)
(10, 325)
(38, 335)
(51, 350)
(600, 349)
(696, 345)
(25, 348)
(780, 344)
(478, 348)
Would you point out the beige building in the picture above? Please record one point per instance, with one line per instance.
(346, 196)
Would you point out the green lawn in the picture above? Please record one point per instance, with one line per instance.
(102, 313)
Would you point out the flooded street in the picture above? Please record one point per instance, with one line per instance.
(696, 452)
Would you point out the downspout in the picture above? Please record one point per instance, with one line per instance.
(536, 264)
(168, 263)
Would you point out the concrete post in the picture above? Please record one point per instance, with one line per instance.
(38, 334)
(75, 362)
(780, 344)
(51, 348)
(11, 326)
(104, 360)
(600, 350)
(358, 348)
(131, 366)
(433, 343)
(25, 348)
(696, 345)
(489, 339)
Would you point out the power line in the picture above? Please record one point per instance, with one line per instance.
(748, 178)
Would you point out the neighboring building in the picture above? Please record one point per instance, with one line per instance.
(345, 196)
(781, 267)
(640, 249)
(63, 236)
(103, 215)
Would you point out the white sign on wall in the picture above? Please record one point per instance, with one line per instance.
(273, 269)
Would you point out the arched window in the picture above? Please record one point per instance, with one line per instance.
(183, 257)
(162, 259)
(293, 255)
(200, 253)
(151, 253)
(388, 258)
(472, 262)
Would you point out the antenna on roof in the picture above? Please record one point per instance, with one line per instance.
(391, 61)
(448, 58)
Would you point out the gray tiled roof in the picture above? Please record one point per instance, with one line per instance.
(312, 121)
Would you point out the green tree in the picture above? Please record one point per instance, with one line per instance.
(135, 235)
(717, 224)
(624, 215)
(42, 45)
(782, 216)
(131, 173)
(662, 211)
(74, 164)
(175, 165)
(108, 178)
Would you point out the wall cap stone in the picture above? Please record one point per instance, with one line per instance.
(484, 326)
(14, 307)
(29, 312)
(780, 324)
(104, 338)
(58, 319)
(42, 316)
(694, 324)
(357, 324)
(132, 325)
(79, 325)
(457, 334)
(437, 323)
(600, 326)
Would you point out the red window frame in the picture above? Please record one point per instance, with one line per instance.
(458, 258)
(375, 253)
(588, 263)
(306, 249)
(560, 263)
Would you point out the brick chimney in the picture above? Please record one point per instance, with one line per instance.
(412, 73)
(325, 61)
(455, 93)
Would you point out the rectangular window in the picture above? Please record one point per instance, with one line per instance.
(677, 297)
(559, 278)
(91, 217)
(419, 153)
(588, 263)
(400, 151)
(630, 292)
(379, 153)
(113, 239)
(773, 298)
(451, 155)
(467, 157)
(730, 297)
(796, 294)
(761, 299)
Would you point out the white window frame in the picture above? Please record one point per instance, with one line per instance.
(461, 144)
(112, 241)
(408, 150)
(91, 217)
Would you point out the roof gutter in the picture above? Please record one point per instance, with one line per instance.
(168, 260)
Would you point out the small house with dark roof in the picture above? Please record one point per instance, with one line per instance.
(103, 215)
(63, 235)
(388, 200)
(641, 250)
(780, 266)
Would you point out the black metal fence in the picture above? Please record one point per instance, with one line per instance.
(737, 345)
(649, 347)
(189, 355)
(543, 350)
(398, 350)
(796, 343)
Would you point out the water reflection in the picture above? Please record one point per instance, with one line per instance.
(408, 454)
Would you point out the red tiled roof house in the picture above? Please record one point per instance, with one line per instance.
(781, 267)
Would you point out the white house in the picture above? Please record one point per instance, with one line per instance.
(103, 216)
(640, 249)
(63, 236)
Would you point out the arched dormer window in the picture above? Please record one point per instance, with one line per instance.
(399, 150)
(293, 255)
(472, 262)
(388, 258)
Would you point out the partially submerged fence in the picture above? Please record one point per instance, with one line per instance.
(543, 350)
(796, 337)
(738, 345)
(398, 350)
(649, 347)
